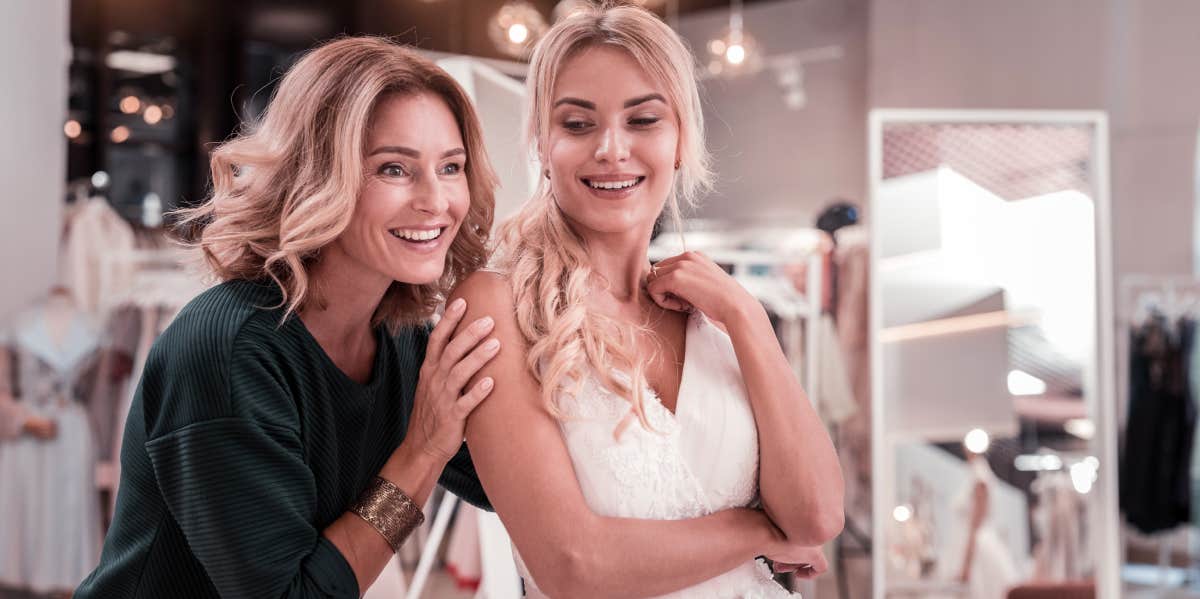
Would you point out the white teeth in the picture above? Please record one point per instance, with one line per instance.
(416, 234)
(612, 184)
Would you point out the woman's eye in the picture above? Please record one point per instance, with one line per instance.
(392, 170)
(453, 168)
(644, 121)
(575, 125)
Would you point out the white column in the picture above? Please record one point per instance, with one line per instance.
(34, 56)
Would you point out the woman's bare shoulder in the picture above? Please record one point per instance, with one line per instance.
(488, 286)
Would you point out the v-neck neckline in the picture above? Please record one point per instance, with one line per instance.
(377, 364)
(683, 370)
(65, 354)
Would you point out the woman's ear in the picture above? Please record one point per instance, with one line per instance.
(541, 158)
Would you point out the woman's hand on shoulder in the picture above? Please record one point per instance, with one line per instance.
(443, 401)
(692, 281)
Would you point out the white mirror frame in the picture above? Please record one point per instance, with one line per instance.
(1099, 373)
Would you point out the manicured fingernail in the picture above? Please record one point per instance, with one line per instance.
(483, 323)
(492, 345)
(458, 304)
(486, 383)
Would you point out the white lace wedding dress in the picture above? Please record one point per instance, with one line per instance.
(702, 459)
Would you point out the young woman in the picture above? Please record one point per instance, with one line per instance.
(280, 442)
(639, 409)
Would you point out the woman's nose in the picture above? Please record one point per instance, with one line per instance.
(429, 197)
(614, 146)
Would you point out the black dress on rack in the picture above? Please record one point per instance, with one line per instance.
(1155, 485)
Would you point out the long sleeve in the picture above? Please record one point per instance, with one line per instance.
(242, 493)
(243, 498)
(244, 442)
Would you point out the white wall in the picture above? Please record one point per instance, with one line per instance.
(34, 55)
(775, 164)
(1135, 60)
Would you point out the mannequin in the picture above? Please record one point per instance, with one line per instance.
(50, 533)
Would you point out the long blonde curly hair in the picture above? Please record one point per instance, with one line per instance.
(286, 186)
(547, 261)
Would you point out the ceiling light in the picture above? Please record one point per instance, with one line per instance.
(153, 115)
(976, 441)
(1037, 462)
(516, 27)
(1083, 428)
(1083, 474)
(1023, 383)
(734, 52)
(902, 513)
(130, 104)
(136, 61)
(72, 128)
(518, 33)
(119, 134)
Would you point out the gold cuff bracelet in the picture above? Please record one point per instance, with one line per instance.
(388, 510)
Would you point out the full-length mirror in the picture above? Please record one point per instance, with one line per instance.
(994, 476)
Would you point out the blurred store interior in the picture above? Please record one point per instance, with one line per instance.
(974, 224)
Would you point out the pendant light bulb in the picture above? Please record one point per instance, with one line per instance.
(518, 33)
(516, 27)
(734, 52)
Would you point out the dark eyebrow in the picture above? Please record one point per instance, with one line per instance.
(576, 102)
(628, 103)
(643, 99)
(411, 152)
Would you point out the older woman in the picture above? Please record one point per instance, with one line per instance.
(281, 441)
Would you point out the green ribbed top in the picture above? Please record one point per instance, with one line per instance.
(244, 441)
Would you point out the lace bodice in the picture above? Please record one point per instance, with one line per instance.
(699, 460)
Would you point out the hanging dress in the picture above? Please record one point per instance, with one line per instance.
(50, 524)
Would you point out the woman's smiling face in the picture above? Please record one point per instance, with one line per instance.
(612, 144)
(415, 194)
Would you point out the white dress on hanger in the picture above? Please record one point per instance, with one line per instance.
(700, 460)
(50, 529)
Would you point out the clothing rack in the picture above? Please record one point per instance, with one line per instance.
(1175, 294)
(147, 278)
(1141, 295)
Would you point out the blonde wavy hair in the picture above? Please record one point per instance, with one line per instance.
(546, 261)
(286, 185)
